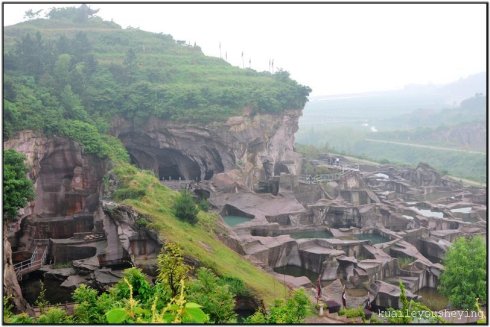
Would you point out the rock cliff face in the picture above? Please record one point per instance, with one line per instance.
(68, 210)
(258, 146)
(67, 184)
(11, 286)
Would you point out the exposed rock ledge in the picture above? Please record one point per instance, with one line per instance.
(259, 146)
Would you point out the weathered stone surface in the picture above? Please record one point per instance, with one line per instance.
(67, 183)
(388, 295)
(126, 241)
(85, 266)
(199, 151)
(11, 286)
(105, 276)
(74, 281)
(294, 282)
(57, 272)
(333, 291)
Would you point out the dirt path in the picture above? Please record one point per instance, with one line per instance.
(433, 147)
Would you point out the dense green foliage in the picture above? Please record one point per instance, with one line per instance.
(54, 316)
(17, 188)
(216, 299)
(352, 312)
(185, 207)
(412, 312)
(73, 68)
(293, 310)
(465, 276)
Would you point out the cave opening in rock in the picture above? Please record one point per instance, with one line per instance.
(196, 162)
(280, 168)
(168, 164)
(173, 164)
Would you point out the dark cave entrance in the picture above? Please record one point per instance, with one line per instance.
(174, 165)
(195, 163)
(280, 168)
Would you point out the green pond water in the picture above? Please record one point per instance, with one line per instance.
(311, 234)
(297, 272)
(433, 299)
(374, 238)
(232, 221)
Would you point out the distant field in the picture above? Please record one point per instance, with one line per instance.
(424, 146)
(402, 128)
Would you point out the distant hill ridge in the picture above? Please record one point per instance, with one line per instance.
(452, 93)
(75, 66)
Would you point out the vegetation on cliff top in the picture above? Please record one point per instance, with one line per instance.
(73, 67)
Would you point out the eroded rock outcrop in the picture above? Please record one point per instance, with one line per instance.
(259, 146)
(67, 183)
(11, 286)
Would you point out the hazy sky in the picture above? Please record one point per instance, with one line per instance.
(333, 48)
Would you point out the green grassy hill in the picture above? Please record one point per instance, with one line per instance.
(198, 241)
(94, 70)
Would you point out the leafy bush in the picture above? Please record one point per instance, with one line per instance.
(141, 288)
(55, 316)
(17, 188)
(22, 318)
(171, 267)
(90, 308)
(464, 277)
(352, 312)
(292, 311)
(185, 207)
(203, 204)
(236, 285)
(217, 300)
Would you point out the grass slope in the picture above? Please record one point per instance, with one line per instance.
(197, 241)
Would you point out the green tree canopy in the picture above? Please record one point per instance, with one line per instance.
(17, 188)
(465, 276)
